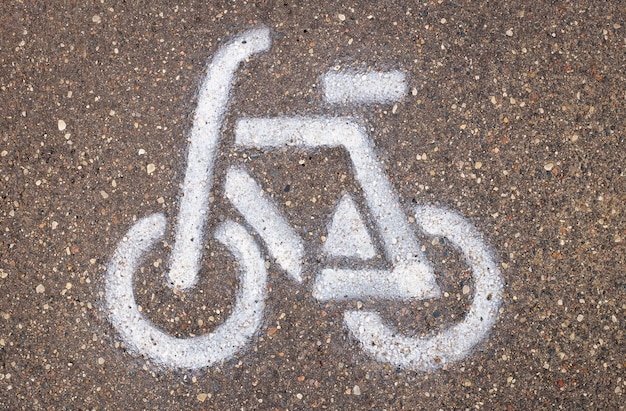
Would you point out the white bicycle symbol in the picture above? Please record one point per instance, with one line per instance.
(411, 276)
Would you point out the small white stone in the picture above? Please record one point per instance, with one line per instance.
(104, 194)
(356, 390)
(40, 289)
(341, 17)
(150, 168)
(96, 18)
(509, 32)
(61, 124)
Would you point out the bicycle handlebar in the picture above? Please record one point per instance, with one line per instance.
(204, 140)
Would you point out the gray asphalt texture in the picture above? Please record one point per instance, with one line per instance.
(514, 118)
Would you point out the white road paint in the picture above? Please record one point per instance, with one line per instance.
(400, 243)
(223, 342)
(347, 234)
(192, 353)
(250, 200)
(401, 282)
(409, 275)
(454, 343)
(203, 145)
(364, 88)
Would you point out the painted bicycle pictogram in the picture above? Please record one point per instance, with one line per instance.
(410, 276)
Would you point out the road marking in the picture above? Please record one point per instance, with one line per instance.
(197, 352)
(222, 343)
(364, 88)
(250, 200)
(204, 140)
(401, 282)
(409, 274)
(454, 343)
(347, 235)
(399, 241)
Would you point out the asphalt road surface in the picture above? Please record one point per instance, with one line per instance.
(283, 205)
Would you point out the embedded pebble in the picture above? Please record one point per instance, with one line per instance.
(40, 289)
(61, 125)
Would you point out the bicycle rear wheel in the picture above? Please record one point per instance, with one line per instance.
(455, 342)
